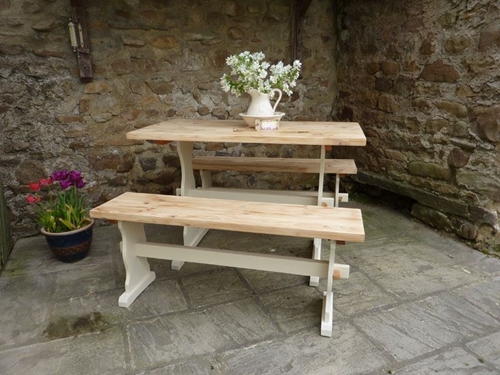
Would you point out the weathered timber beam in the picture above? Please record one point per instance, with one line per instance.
(82, 38)
(299, 9)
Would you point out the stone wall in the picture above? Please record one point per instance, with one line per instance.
(153, 60)
(422, 78)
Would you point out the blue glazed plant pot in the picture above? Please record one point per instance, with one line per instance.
(70, 246)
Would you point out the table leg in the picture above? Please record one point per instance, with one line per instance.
(327, 315)
(314, 280)
(191, 236)
(138, 273)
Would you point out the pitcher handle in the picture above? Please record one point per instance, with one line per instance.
(278, 100)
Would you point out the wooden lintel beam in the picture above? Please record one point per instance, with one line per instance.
(299, 10)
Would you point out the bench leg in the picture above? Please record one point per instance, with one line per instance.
(327, 315)
(138, 273)
(206, 179)
(192, 237)
(314, 280)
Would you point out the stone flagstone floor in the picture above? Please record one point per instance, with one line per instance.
(416, 303)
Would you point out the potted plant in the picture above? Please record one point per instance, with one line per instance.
(62, 214)
(261, 80)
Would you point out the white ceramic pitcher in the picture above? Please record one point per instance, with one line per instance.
(261, 103)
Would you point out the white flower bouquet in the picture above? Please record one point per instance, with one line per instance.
(249, 71)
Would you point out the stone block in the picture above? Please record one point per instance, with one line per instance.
(422, 104)
(479, 181)
(454, 108)
(464, 229)
(432, 217)
(489, 123)
(489, 39)
(484, 215)
(383, 84)
(11, 49)
(47, 25)
(458, 158)
(427, 47)
(429, 169)
(440, 203)
(390, 68)
(372, 68)
(438, 71)
(159, 87)
(388, 103)
(97, 87)
(457, 44)
(163, 42)
(435, 126)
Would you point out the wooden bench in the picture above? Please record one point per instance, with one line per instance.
(132, 210)
(339, 167)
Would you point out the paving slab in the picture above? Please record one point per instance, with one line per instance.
(181, 335)
(408, 269)
(452, 362)
(160, 298)
(357, 294)
(214, 287)
(92, 354)
(347, 353)
(24, 312)
(294, 308)
(485, 295)
(487, 349)
(417, 328)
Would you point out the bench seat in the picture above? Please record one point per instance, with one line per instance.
(290, 165)
(340, 224)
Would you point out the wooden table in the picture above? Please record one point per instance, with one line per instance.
(186, 132)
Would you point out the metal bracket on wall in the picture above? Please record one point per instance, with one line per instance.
(80, 42)
(299, 9)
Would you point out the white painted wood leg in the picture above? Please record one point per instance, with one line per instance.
(314, 280)
(317, 244)
(192, 237)
(337, 188)
(138, 273)
(327, 315)
(206, 179)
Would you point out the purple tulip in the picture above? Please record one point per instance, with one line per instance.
(59, 175)
(79, 183)
(65, 184)
(75, 175)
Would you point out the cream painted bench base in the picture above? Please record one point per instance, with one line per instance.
(339, 167)
(207, 164)
(133, 210)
